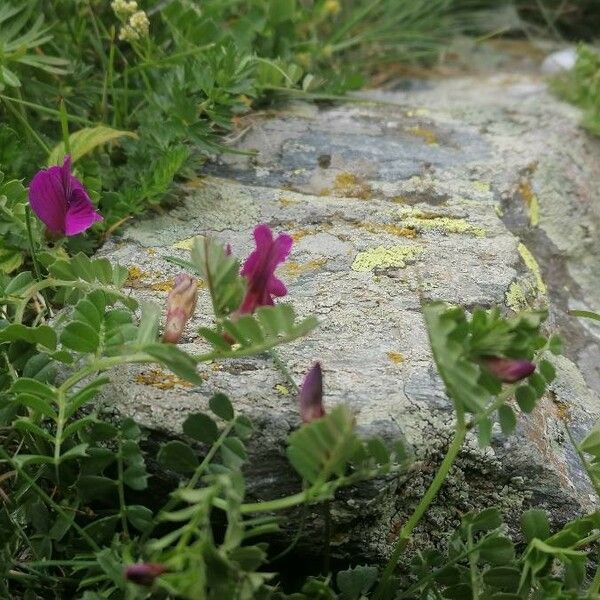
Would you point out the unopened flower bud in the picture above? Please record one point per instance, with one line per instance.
(180, 307)
(311, 395)
(144, 573)
(508, 370)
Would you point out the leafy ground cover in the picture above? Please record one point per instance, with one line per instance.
(104, 107)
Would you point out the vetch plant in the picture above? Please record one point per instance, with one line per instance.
(61, 201)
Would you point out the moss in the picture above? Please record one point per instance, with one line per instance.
(533, 266)
(385, 257)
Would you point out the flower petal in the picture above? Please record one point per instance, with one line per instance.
(81, 213)
(47, 198)
(311, 395)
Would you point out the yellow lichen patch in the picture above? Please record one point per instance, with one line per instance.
(531, 201)
(515, 297)
(284, 201)
(186, 244)
(424, 221)
(396, 230)
(533, 266)
(161, 380)
(295, 269)
(151, 251)
(428, 135)
(134, 274)
(281, 389)
(396, 357)
(162, 286)
(482, 186)
(385, 257)
(349, 185)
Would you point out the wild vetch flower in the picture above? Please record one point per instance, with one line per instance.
(259, 269)
(311, 395)
(508, 370)
(180, 307)
(144, 573)
(60, 200)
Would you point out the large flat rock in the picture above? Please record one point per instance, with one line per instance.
(474, 191)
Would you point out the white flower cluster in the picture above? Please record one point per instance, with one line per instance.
(123, 8)
(136, 28)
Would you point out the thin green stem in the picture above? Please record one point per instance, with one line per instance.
(28, 129)
(42, 494)
(64, 126)
(595, 585)
(460, 433)
(32, 249)
(278, 362)
(121, 491)
(475, 588)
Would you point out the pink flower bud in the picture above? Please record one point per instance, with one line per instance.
(144, 573)
(180, 307)
(311, 395)
(508, 370)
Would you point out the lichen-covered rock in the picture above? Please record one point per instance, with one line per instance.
(478, 192)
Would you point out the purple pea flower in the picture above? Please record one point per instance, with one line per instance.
(61, 201)
(143, 573)
(508, 370)
(311, 395)
(259, 269)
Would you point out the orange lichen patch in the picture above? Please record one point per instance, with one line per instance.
(301, 233)
(396, 357)
(396, 230)
(138, 279)
(428, 135)
(295, 269)
(349, 185)
(161, 380)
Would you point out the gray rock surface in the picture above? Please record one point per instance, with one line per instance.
(475, 191)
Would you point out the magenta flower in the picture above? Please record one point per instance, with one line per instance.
(60, 200)
(143, 573)
(180, 307)
(508, 370)
(259, 269)
(311, 395)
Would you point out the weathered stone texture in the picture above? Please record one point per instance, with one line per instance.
(478, 192)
